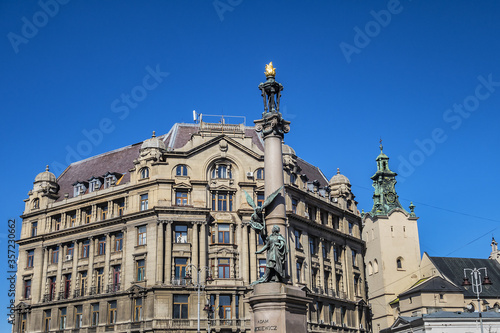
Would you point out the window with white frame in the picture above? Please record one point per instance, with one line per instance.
(222, 171)
(78, 189)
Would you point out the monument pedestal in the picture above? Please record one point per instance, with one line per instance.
(278, 307)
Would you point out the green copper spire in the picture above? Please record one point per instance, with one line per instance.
(385, 198)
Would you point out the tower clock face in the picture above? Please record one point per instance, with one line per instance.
(391, 197)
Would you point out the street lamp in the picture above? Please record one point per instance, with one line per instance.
(198, 284)
(209, 309)
(477, 285)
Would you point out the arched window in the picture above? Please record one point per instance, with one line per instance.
(399, 263)
(222, 171)
(36, 203)
(144, 173)
(370, 268)
(259, 173)
(181, 170)
(375, 266)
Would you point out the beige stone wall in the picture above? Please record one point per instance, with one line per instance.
(331, 283)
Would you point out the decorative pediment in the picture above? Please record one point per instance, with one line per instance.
(137, 291)
(182, 186)
(222, 187)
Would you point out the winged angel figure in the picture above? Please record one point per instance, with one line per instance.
(257, 221)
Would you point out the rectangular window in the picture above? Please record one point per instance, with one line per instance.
(47, 318)
(260, 241)
(140, 270)
(325, 252)
(294, 205)
(298, 246)
(351, 226)
(181, 306)
(83, 284)
(299, 271)
(262, 267)
(27, 289)
(72, 219)
(223, 233)
(121, 207)
(55, 255)
(70, 249)
(118, 242)
(85, 249)
(356, 285)
(141, 235)
(87, 214)
(116, 277)
(144, 201)
(112, 312)
(137, 309)
(57, 223)
(62, 318)
(260, 200)
(225, 307)
(354, 258)
(312, 213)
(181, 198)
(67, 285)
(78, 316)
(223, 264)
(23, 322)
(34, 228)
(180, 267)
(99, 280)
(101, 249)
(312, 246)
(336, 253)
(30, 258)
(222, 201)
(95, 314)
(180, 233)
(104, 212)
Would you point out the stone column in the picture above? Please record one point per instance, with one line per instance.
(59, 269)
(194, 247)
(321, 243)
(244, 253)
(203, 250)
(90, 272)
(107, 258)
(74, 270)
(160, 253)
(253, 256)
(43, 283)
(168, 254)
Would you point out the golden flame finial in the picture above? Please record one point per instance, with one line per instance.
(270, 70)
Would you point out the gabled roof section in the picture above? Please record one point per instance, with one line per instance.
(433, 284)
(453, 269)
(119, 160)
(312, 172)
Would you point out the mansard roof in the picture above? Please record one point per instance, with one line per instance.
(120, 161)
(453, 269)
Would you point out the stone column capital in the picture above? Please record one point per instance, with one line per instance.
(272, 124)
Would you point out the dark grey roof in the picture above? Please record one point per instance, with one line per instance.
(448, 314)
(453, 269)
(434, 284)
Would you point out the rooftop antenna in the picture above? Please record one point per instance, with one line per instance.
(196, 116)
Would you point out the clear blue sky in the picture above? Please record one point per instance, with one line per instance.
(423, 75)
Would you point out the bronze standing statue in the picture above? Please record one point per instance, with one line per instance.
(274, 244)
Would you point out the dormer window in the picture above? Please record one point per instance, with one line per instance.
(222, 171)
(94, 184)
(181, 170)
(144, 173)
(110, 179)
(79, 188)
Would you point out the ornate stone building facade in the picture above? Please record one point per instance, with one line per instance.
(107, 245)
